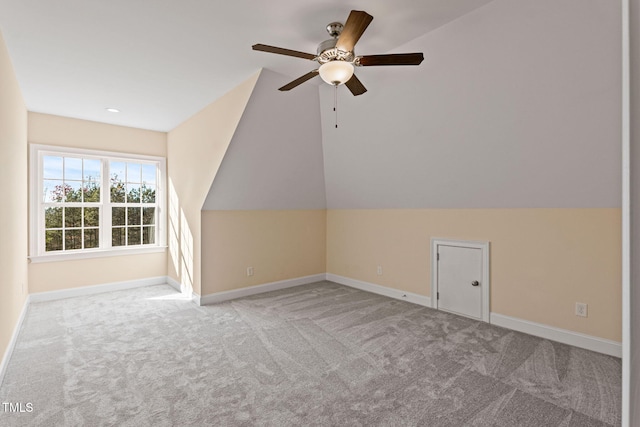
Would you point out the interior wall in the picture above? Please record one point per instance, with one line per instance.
(516, 105)
(195, 151)
(542, 262)
(511, 126)
(13, 214)
(59, 275)
(634, 304)
(274, 160)
(63, 131)
(277, 244)
(266, 206)
(75, 133)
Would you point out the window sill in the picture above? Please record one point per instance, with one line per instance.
(102, 253)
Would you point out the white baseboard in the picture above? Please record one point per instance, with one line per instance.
(576, 339)
(564, 336)
(381, 290)
(97, 289)
(12, 342)
(174, 284)
(181, 288)
(258, 289)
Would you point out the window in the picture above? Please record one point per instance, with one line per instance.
(95, 203)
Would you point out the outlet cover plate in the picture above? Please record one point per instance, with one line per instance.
(581, 309)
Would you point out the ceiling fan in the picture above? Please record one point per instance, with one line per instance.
(337, 58)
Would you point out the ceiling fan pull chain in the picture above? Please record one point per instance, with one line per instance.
(335, 103)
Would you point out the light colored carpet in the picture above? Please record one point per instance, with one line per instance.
(320, 354)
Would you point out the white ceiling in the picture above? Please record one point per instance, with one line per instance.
(161, 61)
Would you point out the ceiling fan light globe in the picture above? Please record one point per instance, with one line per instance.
(336, 72)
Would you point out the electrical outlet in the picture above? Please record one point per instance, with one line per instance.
(581, 309)
(379, 270)
(249, 271)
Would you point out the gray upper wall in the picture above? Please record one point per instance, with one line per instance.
(631, 310)
(274, 160)
(517, 105)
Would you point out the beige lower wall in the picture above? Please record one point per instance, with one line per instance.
(55, 276)
(195, 150)
(13, 211)
(543, 261)
(68, 132)
(279, 245)
(85, 134)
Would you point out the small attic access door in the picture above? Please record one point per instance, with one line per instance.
(460, 277)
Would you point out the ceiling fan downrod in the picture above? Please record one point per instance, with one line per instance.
(334, 29)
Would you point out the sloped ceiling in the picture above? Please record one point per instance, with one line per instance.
(517, 105)
(161, 61)
(274, 160)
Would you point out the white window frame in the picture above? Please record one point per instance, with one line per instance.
(36, 215)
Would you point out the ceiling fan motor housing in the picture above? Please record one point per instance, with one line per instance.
(328, 52)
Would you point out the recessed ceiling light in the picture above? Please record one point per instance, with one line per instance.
(112, 110)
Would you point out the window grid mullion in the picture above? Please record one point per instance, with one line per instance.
(105, 196)
(66, 174)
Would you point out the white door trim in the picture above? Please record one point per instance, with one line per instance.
(484, 248)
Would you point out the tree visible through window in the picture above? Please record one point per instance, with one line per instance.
(133, 196)
(71, 203)
(91, 202)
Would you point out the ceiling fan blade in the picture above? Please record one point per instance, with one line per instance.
(282, 51)
(357, 22)
(391, 59)
(299, 80)
(355, 86)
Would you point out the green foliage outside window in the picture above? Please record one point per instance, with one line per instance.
(71, 186)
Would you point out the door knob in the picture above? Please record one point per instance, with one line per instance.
(475, 283)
